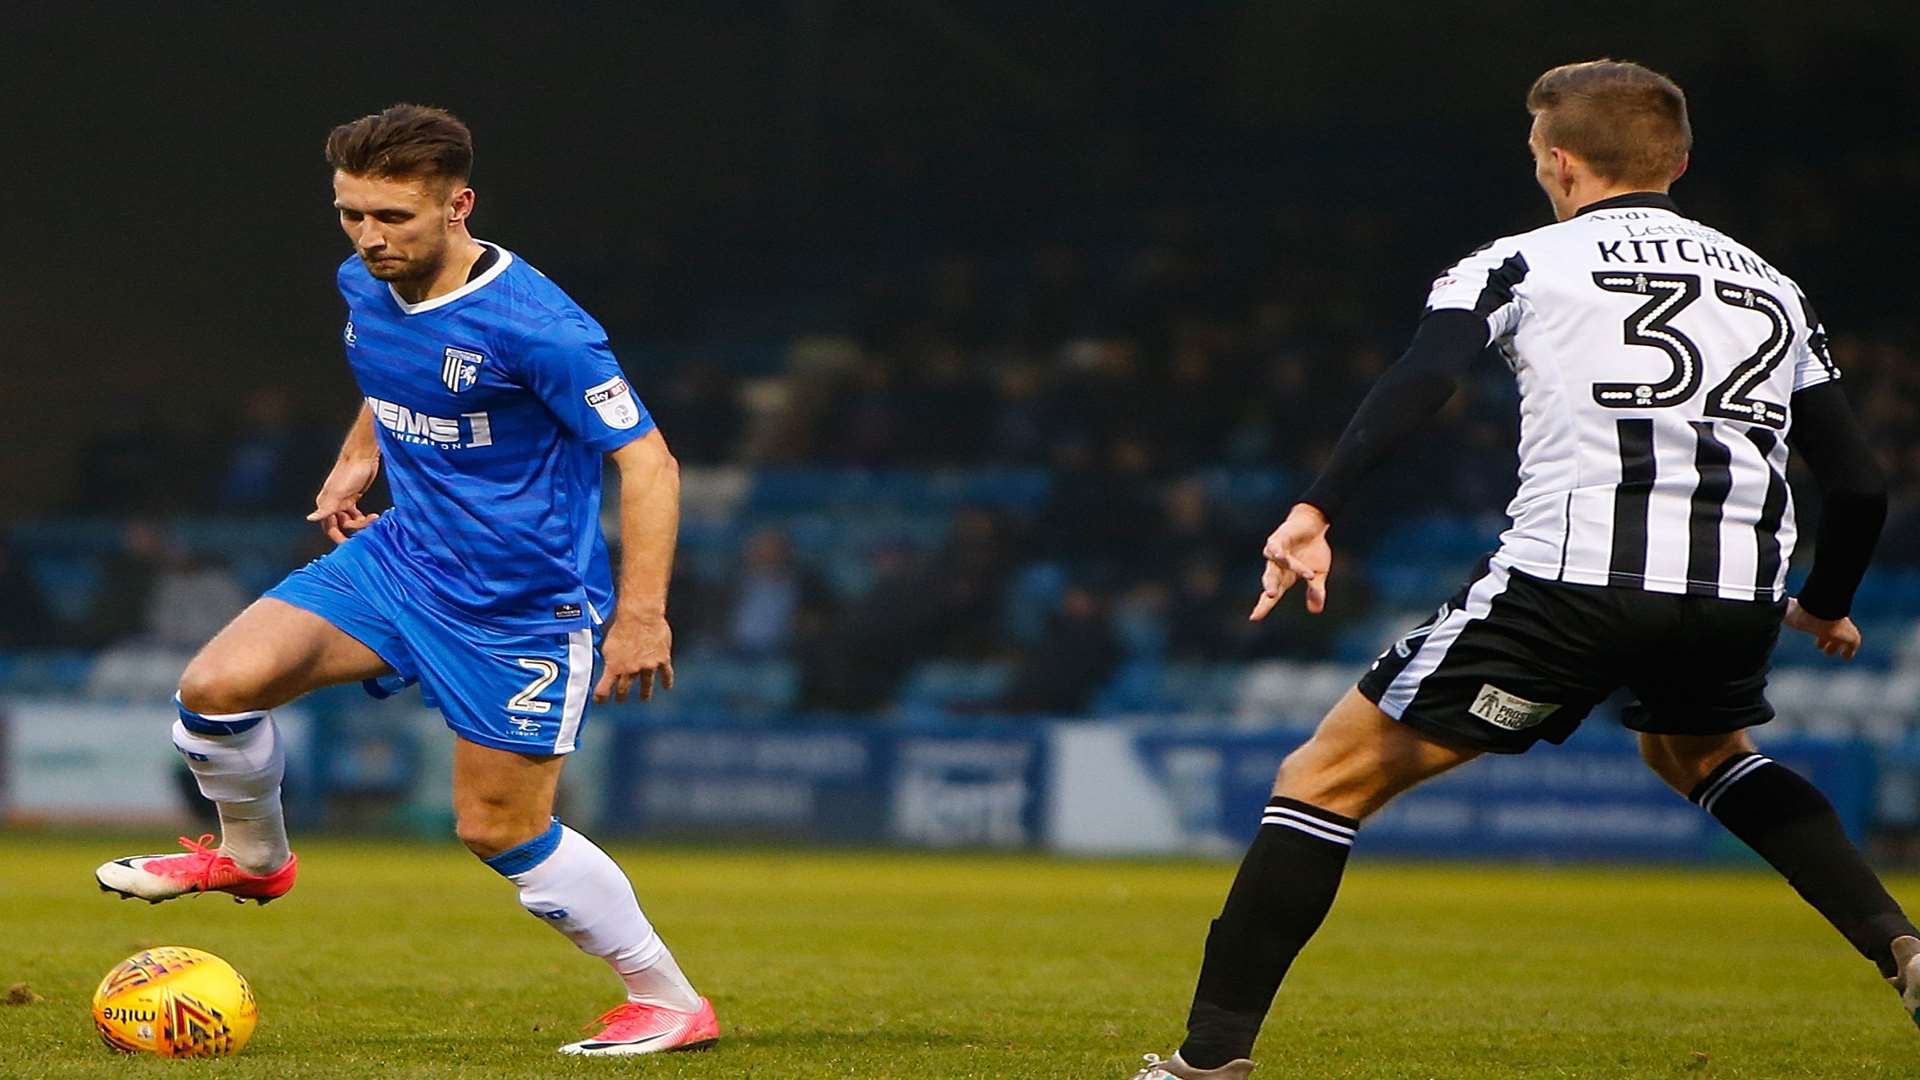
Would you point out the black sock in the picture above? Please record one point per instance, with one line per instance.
(1280, 897)
(1791, 825)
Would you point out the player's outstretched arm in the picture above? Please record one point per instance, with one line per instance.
(1853, 491)
(337, 507)
(1415, 388)
(639, 643)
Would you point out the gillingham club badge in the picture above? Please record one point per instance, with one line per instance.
(461, 369)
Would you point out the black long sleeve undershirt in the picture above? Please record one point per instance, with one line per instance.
(1412, 390)
(1853, 497)
(1825, 433)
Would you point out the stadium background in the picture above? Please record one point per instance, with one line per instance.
(992, 337)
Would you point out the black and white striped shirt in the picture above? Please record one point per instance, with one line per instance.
(1656, 359)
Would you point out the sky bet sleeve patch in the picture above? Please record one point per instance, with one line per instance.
(614, 402)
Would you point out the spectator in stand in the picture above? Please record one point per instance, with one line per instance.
(771, 600)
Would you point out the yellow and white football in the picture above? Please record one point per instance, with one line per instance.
(175, 1002)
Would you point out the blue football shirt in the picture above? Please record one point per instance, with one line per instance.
(494, 404)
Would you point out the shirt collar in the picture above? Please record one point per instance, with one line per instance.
(1653, 200)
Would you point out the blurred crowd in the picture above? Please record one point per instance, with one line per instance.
(1132, 376)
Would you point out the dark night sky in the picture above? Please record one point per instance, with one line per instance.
(170, 240)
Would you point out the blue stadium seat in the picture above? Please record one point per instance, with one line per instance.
(1032, 599)
(68, 536)
(1450, 540)
(58, 672)
(68, 582)
(1271, 486)
(1171, 689)
(751, 689)
(1409, 586)
(941, 683)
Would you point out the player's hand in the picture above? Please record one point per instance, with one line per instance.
(1835, 637)
(637, 648)
(1297, 551)
(337, 507)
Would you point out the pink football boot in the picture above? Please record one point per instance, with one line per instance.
(650, 1029)
(203, 868)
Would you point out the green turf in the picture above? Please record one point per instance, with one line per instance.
(402, 960)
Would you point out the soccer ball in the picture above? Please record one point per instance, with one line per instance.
(175, 1002)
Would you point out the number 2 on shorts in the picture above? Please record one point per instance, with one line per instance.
(528, 700)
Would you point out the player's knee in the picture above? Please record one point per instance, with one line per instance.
(216, 684)
(1685, 760)
(487, 829)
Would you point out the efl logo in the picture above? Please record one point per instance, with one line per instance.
(460, 369)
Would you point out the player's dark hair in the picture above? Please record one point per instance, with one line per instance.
(403, 141)
(1628, 122)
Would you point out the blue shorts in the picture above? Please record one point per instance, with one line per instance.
(522, 692)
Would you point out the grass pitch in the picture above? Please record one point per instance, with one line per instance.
(413, 960)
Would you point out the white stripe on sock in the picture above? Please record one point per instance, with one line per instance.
(1336, 838)
(1289, 811)
(1733, 776)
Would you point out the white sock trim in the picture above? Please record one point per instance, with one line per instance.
(1720, 787)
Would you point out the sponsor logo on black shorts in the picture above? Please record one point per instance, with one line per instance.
(1510, 711)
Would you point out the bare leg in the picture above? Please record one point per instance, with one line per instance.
(1360, 758)
(270, 654)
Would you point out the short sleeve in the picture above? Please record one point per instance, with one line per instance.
(570, 367)
(1812, 362)
(1485, 283)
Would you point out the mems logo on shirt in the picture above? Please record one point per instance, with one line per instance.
(446, 432)
(614, 402)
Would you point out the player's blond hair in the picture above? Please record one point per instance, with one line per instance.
(1628, 122)
(403, 142)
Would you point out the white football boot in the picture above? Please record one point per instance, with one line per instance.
(1174, 1069)
(1906, 974)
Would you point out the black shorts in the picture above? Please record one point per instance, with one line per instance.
(1513, 659)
